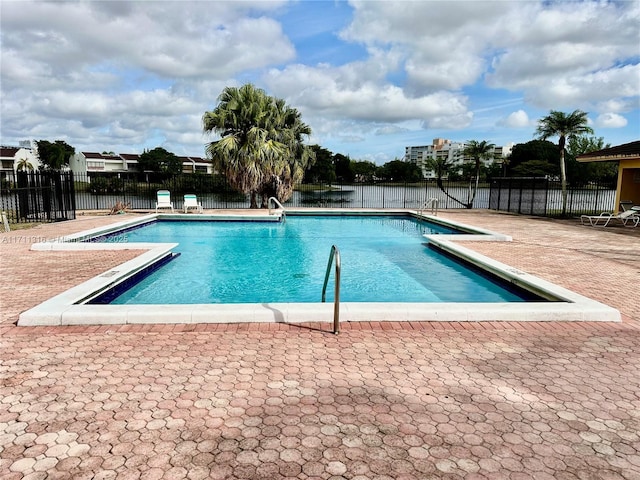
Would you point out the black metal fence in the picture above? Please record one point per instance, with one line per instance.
(543, 197)
(47, 197)
(139, 192)
(41, 196)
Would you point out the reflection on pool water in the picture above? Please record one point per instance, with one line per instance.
(384, 259)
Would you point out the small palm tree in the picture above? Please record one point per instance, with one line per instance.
(477, 151)
(565, 127)
(24, 164)
(440, 166)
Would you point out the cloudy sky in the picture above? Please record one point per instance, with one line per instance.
(369, 77)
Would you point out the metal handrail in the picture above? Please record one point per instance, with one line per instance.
(430, 203)
(5, 222)
(336, 301)
(275, 200)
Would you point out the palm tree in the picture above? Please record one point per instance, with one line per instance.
(288, 169)
(565, 127)
(477, 151)
(440, 166)
(24, 164)
(243, 118)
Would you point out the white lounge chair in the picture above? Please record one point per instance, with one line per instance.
(629, 218)
(164, 200)
(191, 201)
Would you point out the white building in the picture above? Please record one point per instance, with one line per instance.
(13, 159)
(89, 162)
(452, 152)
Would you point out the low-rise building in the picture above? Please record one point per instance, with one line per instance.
(14, 159)
(91, 162)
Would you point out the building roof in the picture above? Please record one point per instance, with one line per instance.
(625, 151)
(8, 152)
(92, 155)
(134, 157)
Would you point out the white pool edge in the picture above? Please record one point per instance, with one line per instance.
(66, 309)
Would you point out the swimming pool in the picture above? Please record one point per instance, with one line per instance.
(384, 259)
(72, 307)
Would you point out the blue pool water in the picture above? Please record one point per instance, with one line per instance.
(384, 259)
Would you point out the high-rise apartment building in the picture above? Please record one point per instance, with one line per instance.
(442, 148)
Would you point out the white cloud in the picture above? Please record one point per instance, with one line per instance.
(390, 130)
(343, 91)
(560, 64)
(610, 120)
(167, 39)
(518, 119)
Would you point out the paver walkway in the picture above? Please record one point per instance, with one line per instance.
(379, 401)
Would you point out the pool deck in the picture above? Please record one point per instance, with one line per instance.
(382, 400)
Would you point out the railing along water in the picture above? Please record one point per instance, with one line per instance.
(335, 253)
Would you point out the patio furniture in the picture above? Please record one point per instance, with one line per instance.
(629, 218)
(625, 205)
(164, 200)
(191, 201)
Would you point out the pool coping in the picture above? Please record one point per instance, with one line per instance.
(67, 308)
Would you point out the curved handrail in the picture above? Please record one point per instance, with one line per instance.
(335, 253)
(274, 200)
(430, 203)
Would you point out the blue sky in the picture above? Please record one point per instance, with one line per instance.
(369, 77)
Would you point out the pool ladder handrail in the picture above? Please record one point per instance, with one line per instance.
(5, 222)
(335, 254)
(280, 206)
(431, 203)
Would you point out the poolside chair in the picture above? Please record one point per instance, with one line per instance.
(629, 218)
(191, 201)
(164, 200)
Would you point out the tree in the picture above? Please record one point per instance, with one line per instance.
(342, 164)
(284, 171)
(399, 171)
(564, 126)
(260, 149)
(541, 151)
(584, 173)
(159, 160)
(24, 165)
(534, 168)
(477, 151)
(322, 170)
(54, 156)
(363, 170)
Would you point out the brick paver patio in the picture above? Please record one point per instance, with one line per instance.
(379, 401)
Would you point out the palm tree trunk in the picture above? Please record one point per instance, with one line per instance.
(475, 190)
(444, 190)
(563, 176)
